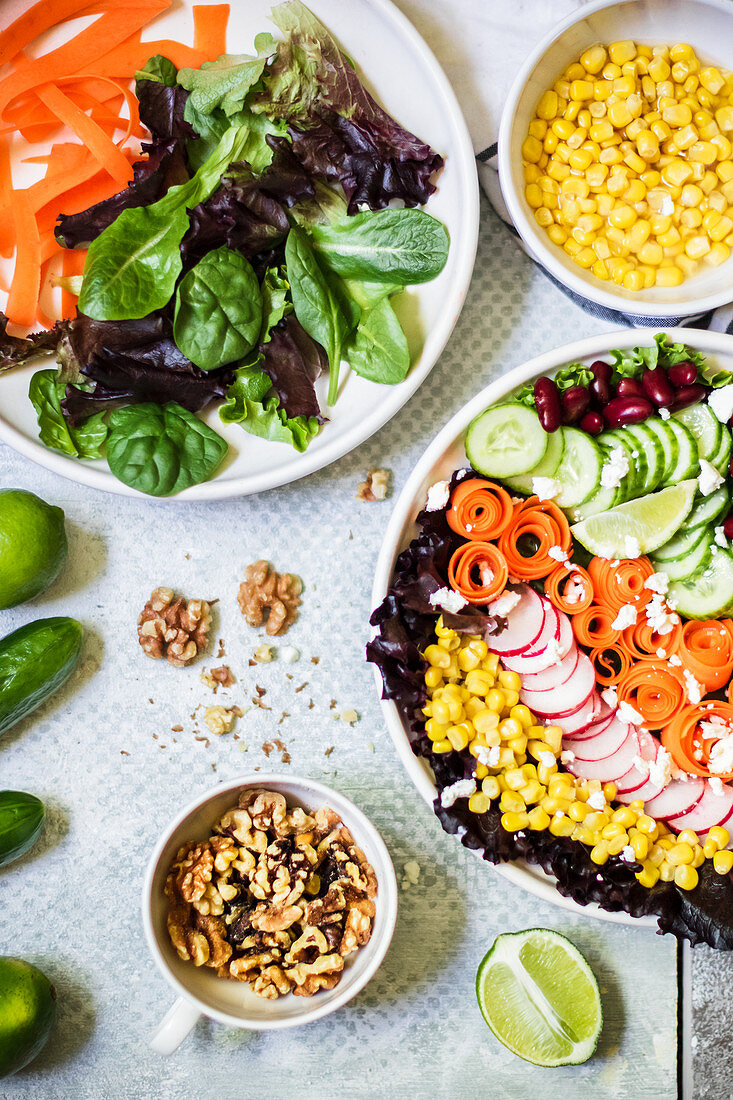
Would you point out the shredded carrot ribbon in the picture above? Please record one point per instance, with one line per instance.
(706, 650)
(478, 571)
(644, 644)
(536, 528)
(691, 742)
(611, 663)
(479, 509)
(655, 690)
(592, 627)
(570, 590)
(621, 582)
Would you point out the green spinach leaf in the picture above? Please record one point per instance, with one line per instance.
(218, 310)
(276, 303)
(162, 449)
(378, 350)
(252, 403)
(225, 82)
(160, 69)
(132, 266)
(394, 246)
(321, 306)
(86, 441)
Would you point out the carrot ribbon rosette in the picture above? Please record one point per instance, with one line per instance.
(478, 571)
(692, 737)
(479, 510)
(706, 650)
(644, 644)
(535, 528)
(611, 663)
(655, 690)
(621, 582)
(570, 590)
(592, 627)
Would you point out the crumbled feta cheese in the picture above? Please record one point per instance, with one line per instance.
(675, 660)
(567, 756)
(664, 413)
(709, 479)
(658, 582)
(489, 757)
(721, 402)
(547, 759)
(660, 770)
(694, 689)
(545, 487)
(629, 714)
(597, 800)
(626, 617)
(631, 547)
(494, 756)
(486, 574)
(660, 619)
(463, 788)
(448, 599)
(438, 496)
(574, 592)
(554, 653)
(615, 468)
(628, 855)
(661, 653)
(716, 784)
(557, 553)
(720, 757)
(720, 538)
(506, 603)
(290, 654)
(609, 697)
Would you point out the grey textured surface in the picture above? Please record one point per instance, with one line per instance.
(72, 905)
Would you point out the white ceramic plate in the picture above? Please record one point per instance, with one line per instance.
(444, 455)
(404, 75)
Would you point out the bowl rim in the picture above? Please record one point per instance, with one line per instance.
(402, 518)
(360, 826)
(533, 239)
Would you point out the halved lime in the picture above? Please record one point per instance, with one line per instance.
(639, 526)
(540, 998)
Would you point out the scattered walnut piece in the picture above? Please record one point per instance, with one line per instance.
(174, 628)
(264, 654)
(376, 486)
(217, 677)
(221, 719)
(265, 591)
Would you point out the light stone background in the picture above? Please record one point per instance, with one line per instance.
(72, 905)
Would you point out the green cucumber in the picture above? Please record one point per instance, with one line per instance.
(688, 459)
(21, 821)
(546, 468)
(653, 453)
(721, 458)
(708, 594)
(680, 545)
(506, 440)
(579, 476)
(634, 482)
(668, 441)
(709, 509)
(704, 426)
(626, 488)
(599, 502)
(680, 569)
(34, 662)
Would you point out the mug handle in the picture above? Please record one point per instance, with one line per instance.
(177, 1023)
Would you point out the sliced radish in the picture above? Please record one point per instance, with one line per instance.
(611, 767)
(712, 809)
(551, 630)
(638, 774)
(604, 717)
(550, 677)
(523, 625)
(678, 797)
(583, 717)
(604, 744)
(566, 698)
(648, 790)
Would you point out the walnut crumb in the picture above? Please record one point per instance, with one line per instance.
(221, 719)
(264, 654)
(173, 627)
(264, 592)
(176, 729)
(217, 677)
(376, 486)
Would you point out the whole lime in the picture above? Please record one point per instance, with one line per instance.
(33, 546)
(27, 1011)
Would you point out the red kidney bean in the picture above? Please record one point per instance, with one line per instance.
(683, 374)
(575, 402)
(657, 386)
(547, 404)
(592, 423)
(629, 387)
(728, 527)
(601, 370)
(688, 395)
(627, 410)
(600, 386)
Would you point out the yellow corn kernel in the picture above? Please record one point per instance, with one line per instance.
(532, 791)
(550, 142)
(441, 711)
(538, 819)
(622, 216)
(581, 89)
(721, 229)
(719, 835)
(490, 664)
(435, 730)
(697, 247)
(648, 876)
(459, 735)
(436, 656)
(486, 722)
(640, 844)
(609, 791)
(618, 115)
(711, 79)
(531, 149)
(478, 803)
(561, 785)
(514, 779)
(600, 269)
(613, 829)
(557, 234)
(433, 677)
(538, 128)
(676, 173)
(723, 146)
(669, 276)
(699, 857)
(691, 219)
(718, 254)
(522, 714)
(510, 680)
(679, 854)
(578, 811)
(480, 771)
(599, 853)
(686, 877)
(548, 105)
(621, 52)
(479, 682)
(638, 235)
(594, 59)
(616, 844)
(513, 822)
(553, 738)
(724, 117)
(442, 746)
(574, 71)
(563, 128)
(495, 699)
(511, 698)
(561, 825)
(624, 816)
(545, 772)
(688, 836)
(666, 871)
(490, 787)
(723, 862)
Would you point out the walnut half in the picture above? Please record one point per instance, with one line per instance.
(174, 628)
(263, 591)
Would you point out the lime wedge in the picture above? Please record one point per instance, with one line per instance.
(540, 998)
(639, 526)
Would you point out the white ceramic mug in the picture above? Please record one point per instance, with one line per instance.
(200, 991)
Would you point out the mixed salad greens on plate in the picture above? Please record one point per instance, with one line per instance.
(255, 250)
(559, 643)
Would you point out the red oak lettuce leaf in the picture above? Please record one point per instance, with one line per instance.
(293, 361)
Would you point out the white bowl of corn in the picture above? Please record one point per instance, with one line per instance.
(616, 155)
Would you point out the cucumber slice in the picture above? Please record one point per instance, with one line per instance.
(705, 427)
(721, 458)
(707, 595)
(680, 545)
(506, 440)
(688, 461)
(709, 509)
(653, 453)
(680, 569)
(633, 482)
(579, 476)
(546, 468)
(668, 441)
(599, 502)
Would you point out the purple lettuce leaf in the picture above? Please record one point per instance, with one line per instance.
(17, 350)
(293, 361)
